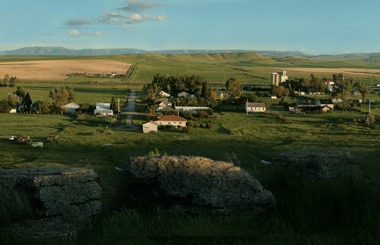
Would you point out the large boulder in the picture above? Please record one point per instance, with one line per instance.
(329, 164)
(55, 195)
(198, 183)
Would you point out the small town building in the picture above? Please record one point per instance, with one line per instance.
(184, 95)
(171, 120)
(165, 105)
(326, 103)
(164, 94)
(70, 107)
(255, 107)
(191, 108)
(103, 109)
(150, 126)
(277, 78)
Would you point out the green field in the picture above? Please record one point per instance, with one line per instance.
(308, 211)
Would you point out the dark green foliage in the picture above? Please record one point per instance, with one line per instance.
(4, 107)
(20, 92)
(26, 104)
(233, 88)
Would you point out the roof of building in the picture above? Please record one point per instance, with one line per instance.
(172, 118)
(255, 104)
(152, 122)
(72, 104)
(326, 101)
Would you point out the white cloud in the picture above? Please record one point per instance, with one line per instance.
(137, 18)
(137, 6)
(116, 17)
(78, 33)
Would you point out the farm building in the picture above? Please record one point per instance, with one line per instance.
(184, 95)
(325, 103)
(103, 109)
(191, 108)
(150, 127)
(255, 107)
(277, 78)
(70, 107)
(164, 105)
(172, 120)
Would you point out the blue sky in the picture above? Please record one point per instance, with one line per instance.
(312, 26)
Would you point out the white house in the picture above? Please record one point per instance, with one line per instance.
(255, 107)
(13, 110)
(150, 127)
(71, 107)
(165, 105)
(172, 120)
(103, 109)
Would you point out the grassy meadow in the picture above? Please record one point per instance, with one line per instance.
(308, 211)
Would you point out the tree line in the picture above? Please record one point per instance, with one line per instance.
(194, 85)
(341, 88)
(22, 100)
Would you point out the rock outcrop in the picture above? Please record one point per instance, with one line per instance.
(60, 197)
(320, 163)
(198, 183)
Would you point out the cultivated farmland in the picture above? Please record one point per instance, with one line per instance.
(58, 70)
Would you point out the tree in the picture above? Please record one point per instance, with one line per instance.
(192, 83)
(362, 89)
(44, 107)
(20, 92)
(113, 105)
(233, 88)
(152, 91)
(6, 81)
(280, 91)
(205, 90)
(4, 107)
(343, 89)
(26, 104)
(12, 81)
(60, 96)
(70, 94)
(212, 94)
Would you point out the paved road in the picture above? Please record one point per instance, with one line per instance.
(130, 111)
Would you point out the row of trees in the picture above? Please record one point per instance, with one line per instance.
(341, 89)
(9, 81)
(24, 104)
(194, 85)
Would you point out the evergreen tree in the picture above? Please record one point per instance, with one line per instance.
(205, 90)
(26, 103)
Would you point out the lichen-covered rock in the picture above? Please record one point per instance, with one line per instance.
(203, 183)
(43, 230)
(320, 163)
(54, 193)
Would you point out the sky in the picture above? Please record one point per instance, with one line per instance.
(311, 26)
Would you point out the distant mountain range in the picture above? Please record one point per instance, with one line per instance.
(60, 51)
